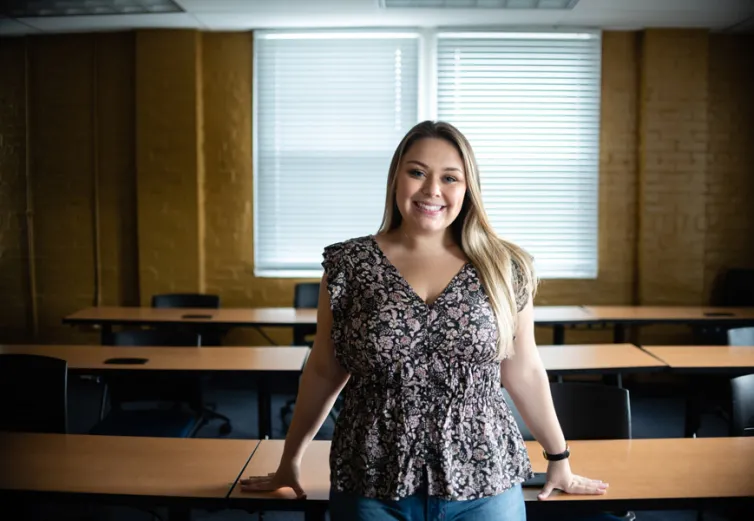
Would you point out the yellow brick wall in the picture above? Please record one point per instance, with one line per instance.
(15, 317)
(169, 147)
(169, 166)
(730, 157)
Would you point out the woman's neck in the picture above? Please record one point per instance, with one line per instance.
(423, 242)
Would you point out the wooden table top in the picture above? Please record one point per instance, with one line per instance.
(668, 313)
(85, 357)
(597, 357)
(640, 469)
(648, 469)
(704, 357)
(122, 465)
(262, 316)
(315, 471)
(221, 316)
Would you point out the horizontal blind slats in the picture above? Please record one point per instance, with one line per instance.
(530, 109)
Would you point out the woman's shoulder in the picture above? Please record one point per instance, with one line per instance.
(348, 248)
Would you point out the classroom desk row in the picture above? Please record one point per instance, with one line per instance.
(557, 317)
(269, 364)
(184, 474)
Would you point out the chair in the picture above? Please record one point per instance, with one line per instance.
(210, 336)
(129, 416)
(33, 393)
(587, 412)
(741, 336)
(305, 296)
(186, 300)
(742, 406)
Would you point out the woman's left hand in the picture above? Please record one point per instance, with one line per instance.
(559, 476)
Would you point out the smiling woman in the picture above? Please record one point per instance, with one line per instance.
(418, 326)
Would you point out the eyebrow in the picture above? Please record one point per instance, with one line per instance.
(447, 169)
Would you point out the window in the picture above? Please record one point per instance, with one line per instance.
(529, 105)
(330, 110)
(330, 107)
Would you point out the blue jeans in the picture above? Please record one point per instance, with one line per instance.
(508, 506)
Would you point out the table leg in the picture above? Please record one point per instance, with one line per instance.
(693, 416)
(106, 334)
(264, 407)
(315, 513)
(558, 334)
(619, 334)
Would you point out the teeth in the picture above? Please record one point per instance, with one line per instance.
(430, 207)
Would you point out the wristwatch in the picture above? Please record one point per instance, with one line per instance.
(557, 457)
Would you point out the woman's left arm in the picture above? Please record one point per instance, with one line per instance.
(525, 378)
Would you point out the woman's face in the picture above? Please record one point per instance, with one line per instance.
(431, 185)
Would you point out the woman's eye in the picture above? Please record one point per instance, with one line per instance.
(416, 173)
(450, 179)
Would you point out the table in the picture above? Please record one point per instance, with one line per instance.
(733, 360)
(107, 316)
(707, 359)
(643, 474)
(181, 473)
(598, 359)
(622, 316)
(265, 362)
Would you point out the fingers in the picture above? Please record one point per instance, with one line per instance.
(547, 490)
(257, 483)
(267, 484)
(581, 485)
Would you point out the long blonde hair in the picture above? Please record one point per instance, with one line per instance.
(498, 262)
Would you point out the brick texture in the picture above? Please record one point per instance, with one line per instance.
(730, 161)
(169, 163)
(673, 167)
(15, 310)
(152, 129)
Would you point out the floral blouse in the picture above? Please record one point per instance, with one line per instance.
(423, 405)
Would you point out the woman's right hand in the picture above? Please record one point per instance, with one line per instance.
(286, 476)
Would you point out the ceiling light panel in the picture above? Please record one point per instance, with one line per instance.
(478, 4)
(40, 8)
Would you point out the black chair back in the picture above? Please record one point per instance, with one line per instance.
(33, 393)
(305, 296)
(155, 387)
(186, 300)
(586, 411)
(742, 406)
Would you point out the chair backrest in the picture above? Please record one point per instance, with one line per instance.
(741, 336)
(738, 288)
(587, 411)
(158, 387)
(305, 296)
(742, 406)
(185, 300)
(156, 337)
(33, 393)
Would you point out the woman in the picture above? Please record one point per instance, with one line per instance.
(422, 323)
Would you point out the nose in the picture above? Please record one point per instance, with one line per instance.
(431, 187)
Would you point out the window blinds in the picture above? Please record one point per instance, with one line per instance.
(331, 107)
(529, 105)
(330, 110)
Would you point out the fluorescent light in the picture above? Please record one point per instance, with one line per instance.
(336, 36)
(519, 36)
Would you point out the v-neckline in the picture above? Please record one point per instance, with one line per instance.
(405, 282)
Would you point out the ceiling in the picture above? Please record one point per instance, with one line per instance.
(219, 15)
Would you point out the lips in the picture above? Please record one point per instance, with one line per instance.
(428, 209)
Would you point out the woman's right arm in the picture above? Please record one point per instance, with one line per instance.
(321, 382)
